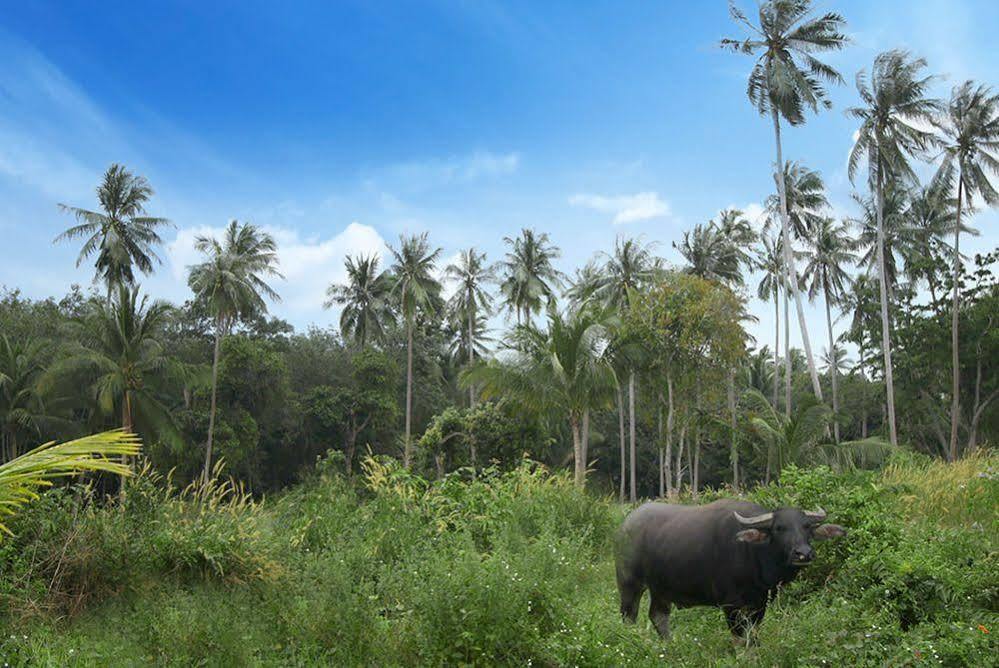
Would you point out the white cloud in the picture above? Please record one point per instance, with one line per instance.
(309, 265)
(625, 208)
(755, 214)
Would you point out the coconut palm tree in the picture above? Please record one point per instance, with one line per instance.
(121, 234)
(785, 81)
(970, 156)
(24, 476)
(529, 275)
(734, 227)
(896, 232)
(119, 356)
(831, 251)
(471, 303)
(709, 254)
(416, 291)
(895, 105)
(582, 289)
(364, 300)
(631, 267)
(859, 301)
(805, 194)
(230, 284)
(931, 215)
(563, 370)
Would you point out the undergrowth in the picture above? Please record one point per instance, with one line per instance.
(480, 568)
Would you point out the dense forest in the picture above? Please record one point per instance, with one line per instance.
(495, 412)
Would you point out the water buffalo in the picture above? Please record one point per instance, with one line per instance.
(729, 554)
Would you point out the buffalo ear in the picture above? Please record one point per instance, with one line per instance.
(753, 536)
(826, 531)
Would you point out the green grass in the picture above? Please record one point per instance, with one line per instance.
(505, 569)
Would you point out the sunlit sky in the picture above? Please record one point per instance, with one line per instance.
(339, 126)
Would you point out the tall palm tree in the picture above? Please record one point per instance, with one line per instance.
(971, 153)
(529, 275)
(363, 298)
(895, 105)
(230, 284)
(860, 303)
(631, 267)
(895, 234)
(831, 251)
(583, 288)
(120, 357)
(416, 291)
(709, 254)
(563, 370)
(787, 79)
(931, 215)
(805, 194)
(121, 233)
(737, 230)
(471, 302)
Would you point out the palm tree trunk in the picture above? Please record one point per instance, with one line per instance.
(631, 419)
(833, 368)
(885, 334)
(620, 420)
(206, 474)
(955, 357)
(579, 473)
(863, 424)
(787, 357)
(776, 344)
(406, 453)
(792, 274)
(734, 451)
(471, 346)
(668, 458)
(585, 445)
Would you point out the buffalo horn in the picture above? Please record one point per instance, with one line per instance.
(756, 520)
(816, 514)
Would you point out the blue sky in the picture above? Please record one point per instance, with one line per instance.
(339, 126)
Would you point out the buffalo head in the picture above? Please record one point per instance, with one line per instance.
(790, 530)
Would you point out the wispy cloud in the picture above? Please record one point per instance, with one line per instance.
(422, 175)
(624, 208)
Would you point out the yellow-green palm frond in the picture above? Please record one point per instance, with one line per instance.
(22, 478)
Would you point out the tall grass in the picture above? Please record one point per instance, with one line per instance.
(956, 494)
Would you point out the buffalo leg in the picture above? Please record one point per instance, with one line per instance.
(659, 609)
(631, 597)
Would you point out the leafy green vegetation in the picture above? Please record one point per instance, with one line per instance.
(396, 491)
(500, 568)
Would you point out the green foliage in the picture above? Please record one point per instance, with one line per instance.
(499, 568)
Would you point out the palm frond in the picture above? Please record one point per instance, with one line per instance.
(22, 478)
